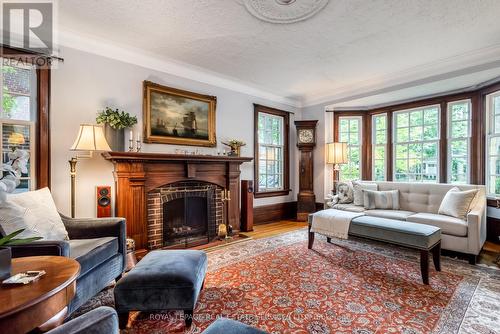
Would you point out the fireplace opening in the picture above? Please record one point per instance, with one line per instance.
(188, 216)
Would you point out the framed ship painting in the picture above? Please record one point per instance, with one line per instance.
(178, 117)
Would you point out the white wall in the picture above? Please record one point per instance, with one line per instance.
(86, 83)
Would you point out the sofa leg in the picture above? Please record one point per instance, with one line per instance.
(424, 266)
(123, 319)
(472, 259)
(188, 317)
(329, 240)
(310, 240)
(436, 256)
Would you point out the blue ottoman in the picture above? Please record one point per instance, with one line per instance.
(162, 280)
(228, 326)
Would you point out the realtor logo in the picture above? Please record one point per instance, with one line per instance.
(28, 25)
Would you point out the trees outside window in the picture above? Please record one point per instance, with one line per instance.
(459, 122)
(379, 150)
(350, 132)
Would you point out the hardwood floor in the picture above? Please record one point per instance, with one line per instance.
(489, 256)
(271, 229)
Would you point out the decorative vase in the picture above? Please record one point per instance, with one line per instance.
(5, 262)
(115, 138)
(235, 151)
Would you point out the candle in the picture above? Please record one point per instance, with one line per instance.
(138, 136)
(131, 135)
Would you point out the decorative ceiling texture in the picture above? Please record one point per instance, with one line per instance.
(334, 51)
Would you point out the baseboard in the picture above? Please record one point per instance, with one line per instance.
(274, 212)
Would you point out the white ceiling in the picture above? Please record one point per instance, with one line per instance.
(352, 49)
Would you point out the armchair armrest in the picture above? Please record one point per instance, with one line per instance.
(89, 228)
(38, 248)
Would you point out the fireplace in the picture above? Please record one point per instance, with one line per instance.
(184, 214)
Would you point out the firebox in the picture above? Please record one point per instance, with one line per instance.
(184, 214)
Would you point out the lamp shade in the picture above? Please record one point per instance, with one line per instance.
(336, 153)
(90, 138)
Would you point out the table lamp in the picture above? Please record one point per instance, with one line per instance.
(90, 139)
(336, 154)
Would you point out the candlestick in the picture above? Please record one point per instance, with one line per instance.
(131, 145)
(138, 145)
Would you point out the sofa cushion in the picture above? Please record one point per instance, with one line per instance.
(456, 203)
(390, 214)
(358, 188)
(349, 207)
(92, 252)
(448, 225)
(395, 231)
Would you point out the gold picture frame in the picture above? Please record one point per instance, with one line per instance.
(178, 117)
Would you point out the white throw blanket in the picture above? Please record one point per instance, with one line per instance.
(333, 223)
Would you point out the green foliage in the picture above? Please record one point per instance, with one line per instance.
(116, 119)
(8, 101)
(9, 239)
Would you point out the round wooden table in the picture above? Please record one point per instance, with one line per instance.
(42, 304)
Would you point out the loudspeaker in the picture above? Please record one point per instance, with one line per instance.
(103, 201)
(246, 205)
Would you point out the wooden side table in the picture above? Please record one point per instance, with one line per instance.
(43, 304)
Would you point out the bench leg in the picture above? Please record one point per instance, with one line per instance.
(436, 256)
(329, 240)
(188, 317)
(424, 266)
(122, 319)
(310, 237)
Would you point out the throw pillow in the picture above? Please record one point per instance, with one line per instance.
(14, 217)
(388, 199)
(39, 204)
(456, 203)
(345, 192)
(358, 190)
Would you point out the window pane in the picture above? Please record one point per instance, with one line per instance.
(431, 132)
(344, 125)
(402, 120)
(402, 135)
(416, 134)
(430, 150)
(459, 147)
(460, 129)
(431, 116)
(495, 146)
(401, 151)
(494, 185)
(416, 118)
(460, 111)
(379, 152)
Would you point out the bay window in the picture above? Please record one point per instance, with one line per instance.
(350, 132)
(379, 149)
(493, 144)
(416, 145)
(459, 122)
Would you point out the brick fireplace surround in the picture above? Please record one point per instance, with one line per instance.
(156, 198)
(137, 174)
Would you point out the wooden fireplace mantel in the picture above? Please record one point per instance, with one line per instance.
(138, 173)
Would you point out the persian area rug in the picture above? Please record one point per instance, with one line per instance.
(352, 286)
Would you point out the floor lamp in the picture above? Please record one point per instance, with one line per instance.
(90, 139)
(336, 154)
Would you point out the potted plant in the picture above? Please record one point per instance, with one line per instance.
(235, 146)
(115, 122)
(6, 254)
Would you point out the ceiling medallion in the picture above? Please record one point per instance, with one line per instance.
(284, 11)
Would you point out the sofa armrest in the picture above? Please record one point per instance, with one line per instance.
(90, 228)
(100, 320)
(39, 248)
(476, 228)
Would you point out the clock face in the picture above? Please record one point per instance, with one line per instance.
(306, 136)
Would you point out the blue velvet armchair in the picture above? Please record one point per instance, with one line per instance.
(99, 246)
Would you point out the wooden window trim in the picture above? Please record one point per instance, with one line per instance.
(42, 128)
(286, 154)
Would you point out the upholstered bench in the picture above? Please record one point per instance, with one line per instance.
(162, 280)
(426, 238)
(228, 326)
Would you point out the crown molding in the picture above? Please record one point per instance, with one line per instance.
(462, 64)
(141, 58)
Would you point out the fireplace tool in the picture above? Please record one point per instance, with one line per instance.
(225, 229)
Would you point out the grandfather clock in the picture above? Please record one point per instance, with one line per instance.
(306, 141)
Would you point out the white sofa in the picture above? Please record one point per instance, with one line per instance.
(419, 203)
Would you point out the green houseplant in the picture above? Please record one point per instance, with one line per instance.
(115, 122)
(5, 252)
